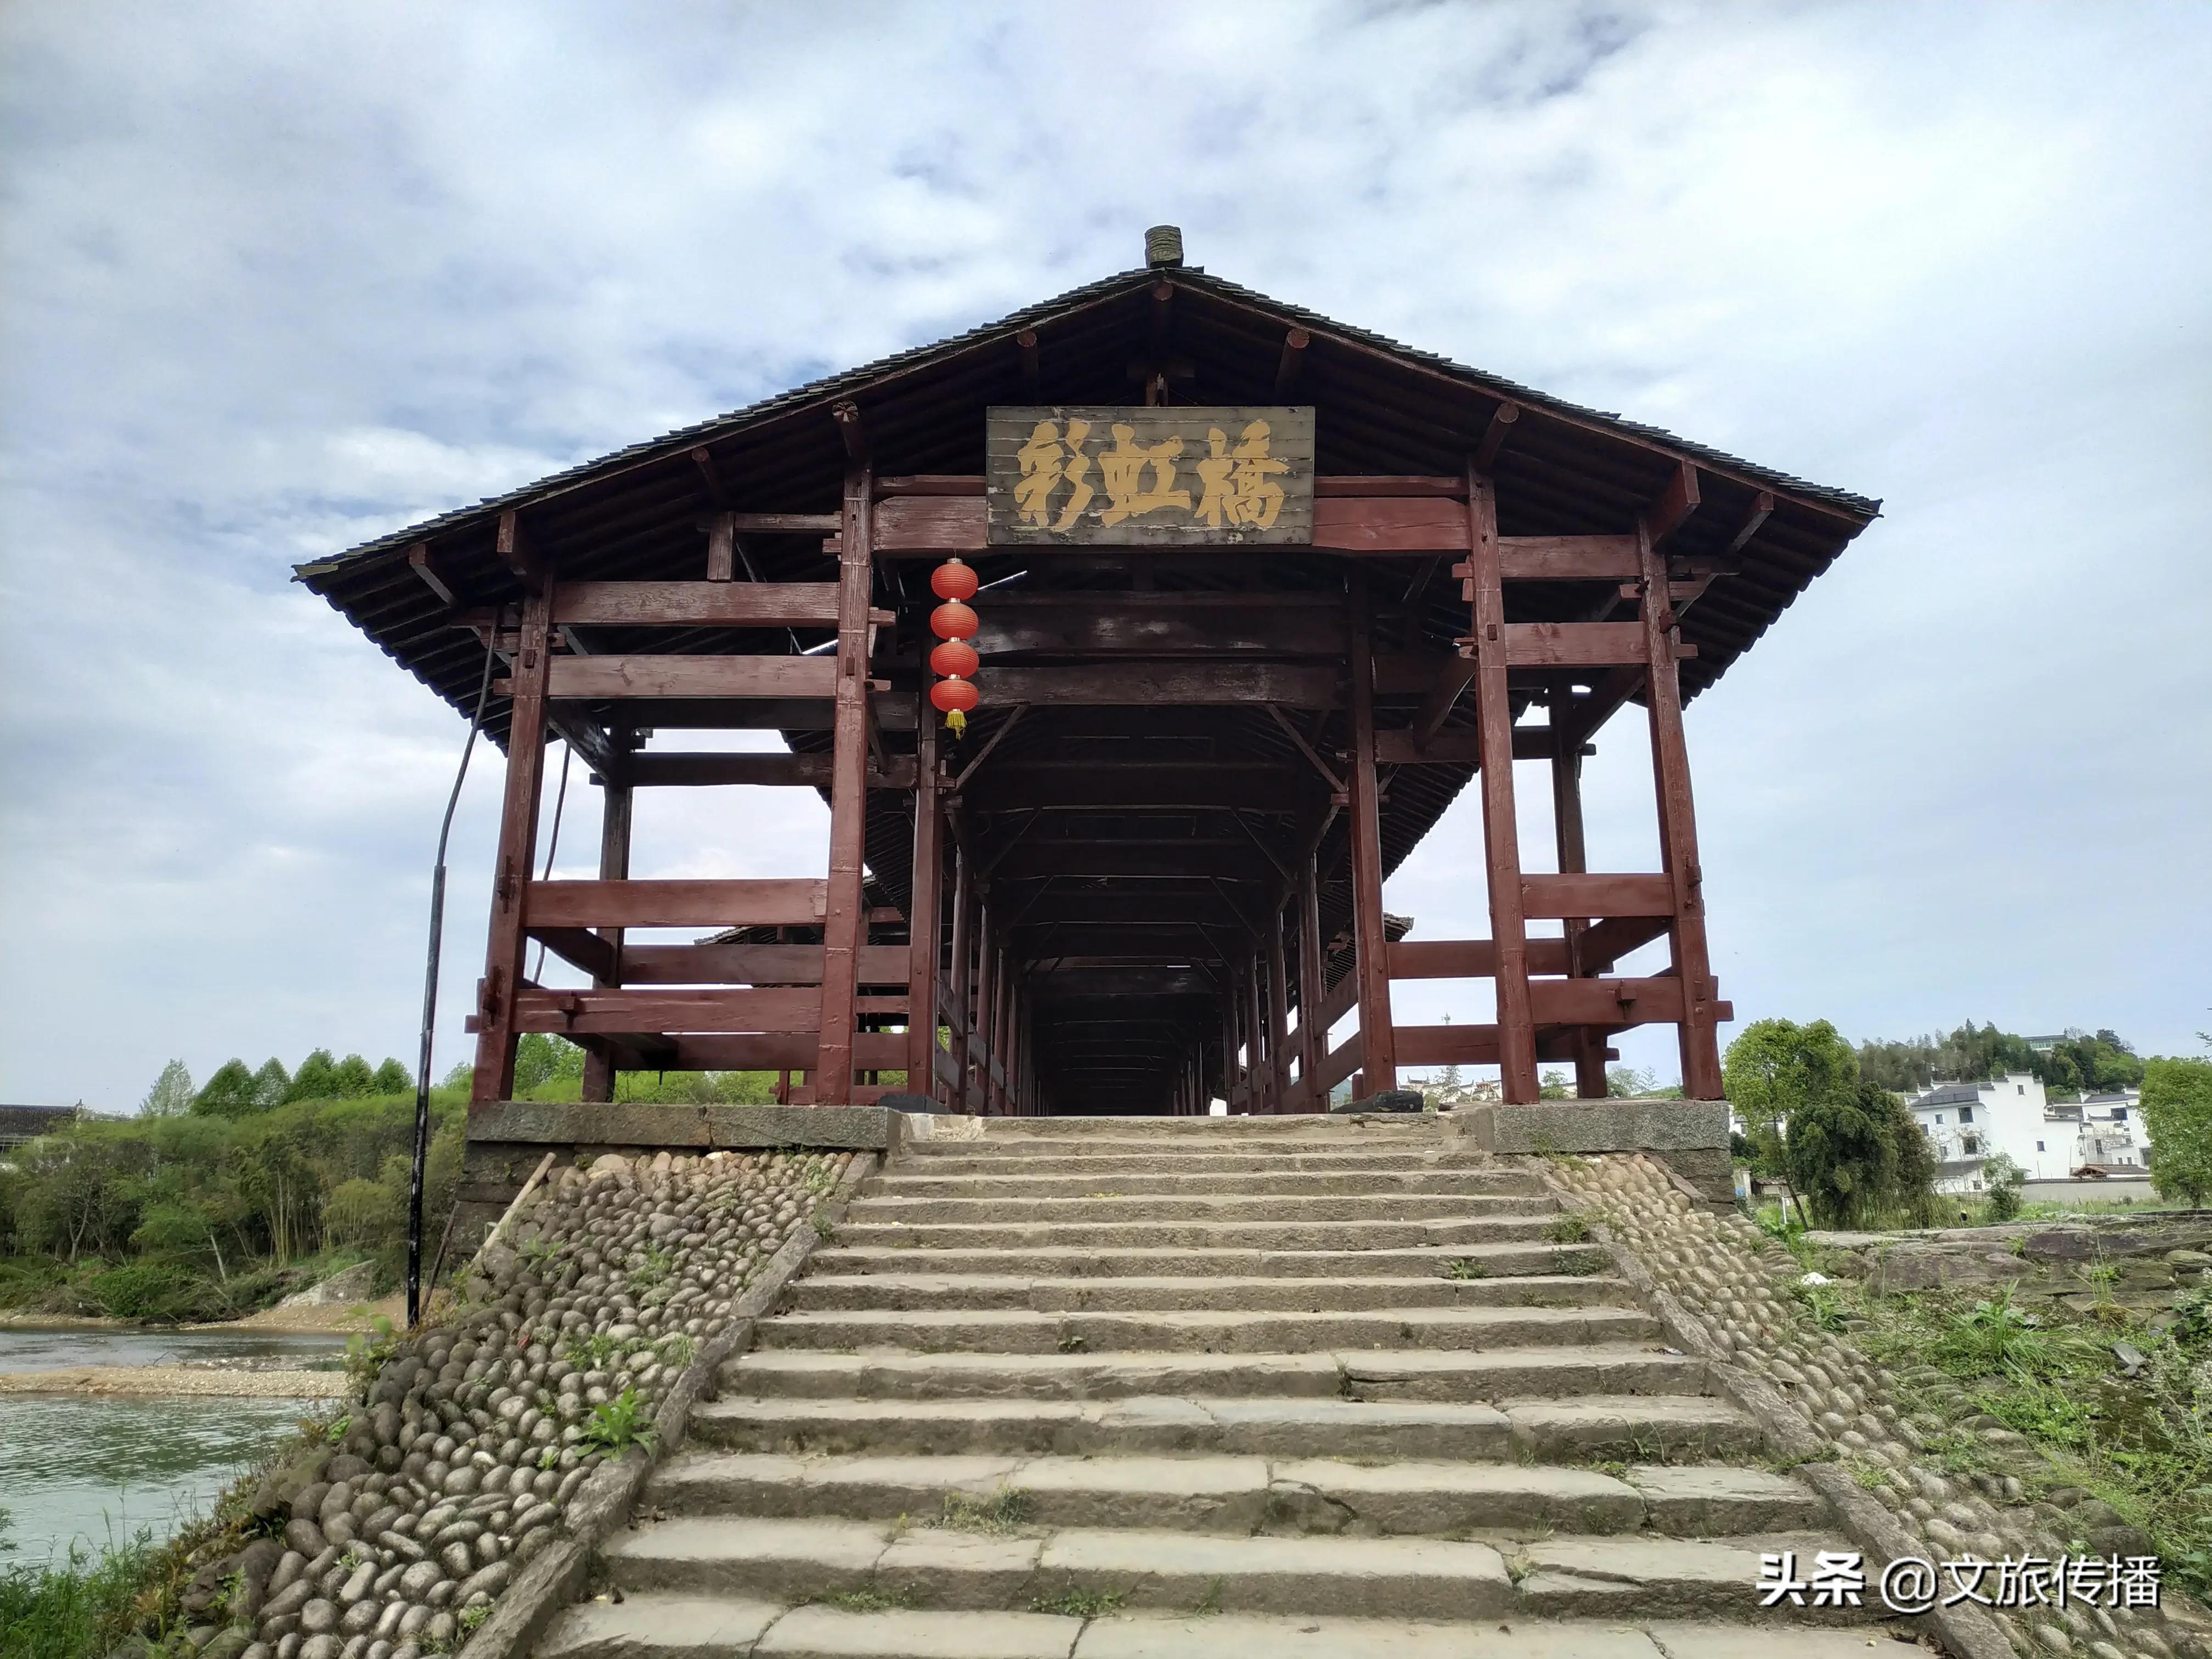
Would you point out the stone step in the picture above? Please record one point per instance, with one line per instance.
(1488, 1259)
(1286, 1159)
(1009, 1330)
(1242, 1494)
(1201, 1235)
(1654, 1426)
(1021, 1132)
(929, 1568)
(1479, 1181)
(669, 1626)
(1561, 1373)
(1289, 1207)
(902, 1291)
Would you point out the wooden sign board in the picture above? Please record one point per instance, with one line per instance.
(1148, 477)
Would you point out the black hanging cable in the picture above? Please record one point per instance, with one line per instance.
(430, 992)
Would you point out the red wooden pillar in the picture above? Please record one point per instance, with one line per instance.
(1508, 928)
(1313, 982)
(1574, 860)
(614, 865)
(977, 1060)
(844, 927)
(1229, 994)
(1278, 1015)
(1257, 1034)
(1678, 829)
(922, 912)
(954, 1094)
(1002, 1033)
(1378, 1044)
(518, 825)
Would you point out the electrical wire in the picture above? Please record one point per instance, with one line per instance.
(430, 991)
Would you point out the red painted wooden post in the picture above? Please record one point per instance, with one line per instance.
(1517, 1027)
(1574, 860)
(1313, 976)
(1279, 1015)
(1378, 1044)
(1678, 831)
(922, 911)
(1229, 1040)
(977, 1057)
(518, 827)
(1255, 1038)
(958, 1015)
(614, 865)
(844, 927)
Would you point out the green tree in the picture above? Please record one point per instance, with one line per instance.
(1776, 1068)
(272, 1085)
(171, 1094)
(1856, 1154)
(540, 1061)
(228, 1093)
(1553, 1086)
(2176, 1108)
(391, 1079)
(1627, 1083)
(316, 1079)
(354, 1078)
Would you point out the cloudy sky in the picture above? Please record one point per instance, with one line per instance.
(278, 278)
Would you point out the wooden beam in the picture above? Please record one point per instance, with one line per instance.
(1607, 941)
(856, 435)
(1293, 359)
(751, 964)
(1136, 684)
(494, 1078)
(1516, 1031)
(719, 603)
(1573, 858)
(1457, 745)
(753, 904)
(786, 524)
(1572, 645)
(924, 920)
(1384, 524)
(1372, 967)
(1175, 785)
(1468, 959)
(1443, 695)
(786, 1008)
(1567, 558)
(703, 459)
(715, 769)
(1598, 896)
(582, 948)
(721, 550)
(515, 549)
(1678, 836)
(1494, 437)
(1676, 501)
(1328, 776)
(425, 565)
(844, 927)
(1608, 1002)
(1034, 859)
(1153, 625)
(1004, 729)
(1762, 508)
(594, 679)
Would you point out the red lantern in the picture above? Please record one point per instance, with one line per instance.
(955, 657)
(954, 621)
(953, 580)
(954, 697)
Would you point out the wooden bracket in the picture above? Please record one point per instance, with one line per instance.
(425, 565)
(1762, 508)
(1026, 343)
(705, 462)
(1495, 435)
(848, 417)
(1292, 360)
(516, 551)
(1675, 502)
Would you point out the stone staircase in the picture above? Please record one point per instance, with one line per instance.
(1112, 1387)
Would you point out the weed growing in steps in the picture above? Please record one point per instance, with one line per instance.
(1568, 1229)
(1002, 1512)
(1465, 1266)
(625, 1421)
(869, 1598)
(1073, 1603)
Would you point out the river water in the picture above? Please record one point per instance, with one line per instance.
(75, 1470)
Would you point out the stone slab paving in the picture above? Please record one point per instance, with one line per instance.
(1179, 1387)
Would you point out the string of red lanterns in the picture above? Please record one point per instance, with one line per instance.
(954, 623)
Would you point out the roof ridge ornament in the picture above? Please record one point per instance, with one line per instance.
(1163, 246)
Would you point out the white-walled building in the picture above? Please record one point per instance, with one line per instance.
(1971, 1123)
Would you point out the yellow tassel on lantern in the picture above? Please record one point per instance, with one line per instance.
(956, 722)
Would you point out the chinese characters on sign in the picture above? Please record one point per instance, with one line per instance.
(1156, 477)
(1910, 1584)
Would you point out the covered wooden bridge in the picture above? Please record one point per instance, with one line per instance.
(1150, 873)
